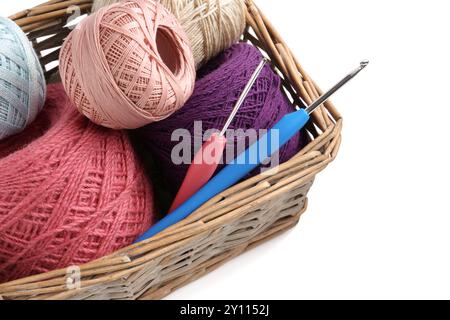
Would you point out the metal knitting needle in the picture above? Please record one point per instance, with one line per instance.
(339, 85)
(243, 95)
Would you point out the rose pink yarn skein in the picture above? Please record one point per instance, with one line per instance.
(73, 194)
(128, 65)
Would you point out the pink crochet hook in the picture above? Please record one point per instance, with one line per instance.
(208, 157)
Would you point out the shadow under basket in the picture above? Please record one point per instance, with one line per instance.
(233, 222)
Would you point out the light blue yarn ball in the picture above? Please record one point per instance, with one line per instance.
(22, 82)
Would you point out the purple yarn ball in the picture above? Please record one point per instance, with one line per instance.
(217, 89)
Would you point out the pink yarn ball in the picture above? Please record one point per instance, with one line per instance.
(128, 65)
(70, 192)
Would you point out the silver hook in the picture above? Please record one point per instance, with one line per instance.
(339, 85)
(243, 95)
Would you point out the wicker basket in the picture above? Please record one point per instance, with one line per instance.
(229, 224)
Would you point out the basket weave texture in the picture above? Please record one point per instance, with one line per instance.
(231, 223)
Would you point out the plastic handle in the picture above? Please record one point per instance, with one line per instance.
(202, 168)
(285, 129)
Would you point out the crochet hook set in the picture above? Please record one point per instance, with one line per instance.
(284, 130)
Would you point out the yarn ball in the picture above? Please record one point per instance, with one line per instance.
(70, 192)
(128, 65)
(212, 26)
(217, 90)
(22, 82)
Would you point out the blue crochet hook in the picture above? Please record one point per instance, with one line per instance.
(283, 131)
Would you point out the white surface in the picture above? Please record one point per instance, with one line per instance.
(378, 220)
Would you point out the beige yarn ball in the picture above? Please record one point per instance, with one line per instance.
(211, 25)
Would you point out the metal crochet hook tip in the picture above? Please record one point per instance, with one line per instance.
(361, 67)
(243, 95)
(364, 63)
(339, 85)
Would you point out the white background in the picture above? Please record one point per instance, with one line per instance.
(378, 222)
